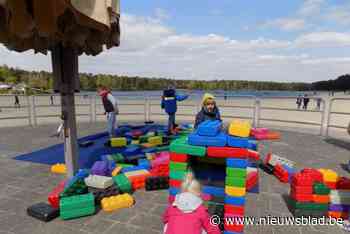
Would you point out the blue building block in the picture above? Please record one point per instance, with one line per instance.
(252, 164)
(241, 142)
(227, 232)
(219, 140)
(144, 162)
(131, 150)
(237, 201)
(209, 128)
(214, 191)
(255, 189)
(173, 191)
(236, 162)
(80, 175)
(134, 168)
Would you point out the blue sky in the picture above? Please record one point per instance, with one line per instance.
(274, 40)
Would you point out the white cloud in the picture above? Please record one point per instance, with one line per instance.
(339, 14)
(323, 39)
(162, 14)
(311, 8)
(286, 24)
(150, 48)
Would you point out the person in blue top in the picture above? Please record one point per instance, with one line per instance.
(169, 104)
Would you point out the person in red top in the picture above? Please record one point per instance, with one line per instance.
(111, 109)
(188, 215)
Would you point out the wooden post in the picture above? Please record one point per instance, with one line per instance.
(66, 80)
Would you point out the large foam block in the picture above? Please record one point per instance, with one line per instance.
(77, 206)
(236, 172)
(134, 168)
(96, 181)
(237, 201)
(100, 168)
(241, 142)
(214, 191)
(117, 202)
(118, 142)
(43, 212)
(239, 128)
(237, 163)
(235, 191)
(209, 128)
(181, 146)
(197, 140)
(329, 175)
(227, 152)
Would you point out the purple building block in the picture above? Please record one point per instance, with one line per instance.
(100, 168)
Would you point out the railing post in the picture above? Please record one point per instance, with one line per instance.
(29, 106)
(33, 109)
(327, 119)
(256, 115)
(323, 112)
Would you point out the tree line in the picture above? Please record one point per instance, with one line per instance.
(43, 80)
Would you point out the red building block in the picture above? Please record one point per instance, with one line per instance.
(301, 197)
(315, 174)
(281, 173)
(301, 189)
(331, 185)
(235, 210)
(54, 196)
(343, 183)
(138, 181)
(252, 180)
(233, 223)
(178, 157)
(300, 179)
(175, 183)
(254, 155)
(225, 152)
(160, 170)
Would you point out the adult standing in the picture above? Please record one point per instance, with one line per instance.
(51, 99)
(111, 109)
(17, 105)
(318, 103)
(299, 101)
(306, 101)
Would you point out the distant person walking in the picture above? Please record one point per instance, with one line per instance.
(17, 105)
(51, 99)
(318, 103)
(111, 109)
(299, 101)
(306, 101)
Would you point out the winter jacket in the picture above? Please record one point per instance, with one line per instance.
(188, 215)
(204, 115)
(169, 103)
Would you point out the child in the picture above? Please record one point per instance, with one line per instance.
(169, 103)
(188, 215)
(209, 110)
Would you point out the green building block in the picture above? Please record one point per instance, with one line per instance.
(123, 183)
(308, 206)
(77, 206)
(177, 175)
(180, 146)
(235, 181)
(236, 172)
(78, 187)
(143, 139)
(122, 165)
(118, 157)
(321, 189)
(177, 166)
(162, 148)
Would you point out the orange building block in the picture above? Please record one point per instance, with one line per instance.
(323, 199)
(338, 214)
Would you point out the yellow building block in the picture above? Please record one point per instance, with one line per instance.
(117, 202)
(239, 128)
(156, 140)
(118, 142)
(135, 142)
(59, 168)
(329, 175)
(235, 191)
(116, 171)
(150, 156)
(137, 173)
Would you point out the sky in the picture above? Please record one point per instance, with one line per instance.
(271, 40)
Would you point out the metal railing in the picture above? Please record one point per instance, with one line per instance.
(330, 113)
(250, 107)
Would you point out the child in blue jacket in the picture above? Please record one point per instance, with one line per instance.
(169, 104)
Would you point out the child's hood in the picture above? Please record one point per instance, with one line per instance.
(187, 202)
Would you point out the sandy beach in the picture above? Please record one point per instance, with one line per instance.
(133, 109)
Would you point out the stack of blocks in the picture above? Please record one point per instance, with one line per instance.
(309, 196)
(339, 206)
(202, 143)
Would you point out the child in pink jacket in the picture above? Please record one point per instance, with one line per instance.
(188, 215)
